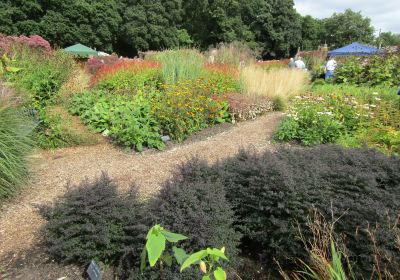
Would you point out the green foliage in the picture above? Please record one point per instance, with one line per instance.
(347, 27)
(387, 39)
(207, 260)
(273, 191)
(319, 120)
(42, 75)
(311, 33)
(273, 28)
(375, 71)
(92, 221)
(131, 82)
(41, 78)
(15, 144)
(92, 23)
(180, 65)
(187, 107)
(156, 244)
(5, 67)
(149, 25)
(155, 251)
(127, 120)
(352, 116)
(327, 269)
(210, 23)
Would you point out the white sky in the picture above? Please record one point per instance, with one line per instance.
(385, 14)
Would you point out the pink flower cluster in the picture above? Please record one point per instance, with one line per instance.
(34, 41)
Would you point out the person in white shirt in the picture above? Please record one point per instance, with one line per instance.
(300, 63)
(330, 68)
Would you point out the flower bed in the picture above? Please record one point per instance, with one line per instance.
(136, 102)
(350, 116)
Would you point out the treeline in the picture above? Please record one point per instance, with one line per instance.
(272, 27)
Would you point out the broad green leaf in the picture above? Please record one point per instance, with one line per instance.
(173, 237)
(154, 230)
(217, 253)
(155, 245)
(219, 274)
(206, 277)
(194, 258)
(143, 256)
(180, 255)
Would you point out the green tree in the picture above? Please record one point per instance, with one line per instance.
(90, 22)
(212, 22)
(149, 25)
(19, 16)
(386, 39)
(312, 33)
(275, 24)
(347, 27)
(93, 23)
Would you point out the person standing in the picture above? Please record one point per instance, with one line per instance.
(330, 68)
(292, 64)
(299, 63)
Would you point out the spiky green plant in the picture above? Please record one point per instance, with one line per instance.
(180, 65)
(15, 145)
(322, 269)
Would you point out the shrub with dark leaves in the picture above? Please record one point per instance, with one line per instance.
(92, 221)
(273, 191)
(198, 210)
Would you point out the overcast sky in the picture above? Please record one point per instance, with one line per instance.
(385, 14)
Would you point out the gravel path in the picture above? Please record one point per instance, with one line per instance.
(20, 222)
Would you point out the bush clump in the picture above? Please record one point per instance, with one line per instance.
(273, 191)
(198, 210)
(92, 221)
(372, 71)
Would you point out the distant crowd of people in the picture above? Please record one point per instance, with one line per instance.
(330, 66)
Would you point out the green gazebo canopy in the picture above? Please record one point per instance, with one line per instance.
(81, 50)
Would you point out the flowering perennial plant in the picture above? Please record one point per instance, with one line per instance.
(352, 120)
(222, 78)
(127, 76)
(34, 41)
(188, 107)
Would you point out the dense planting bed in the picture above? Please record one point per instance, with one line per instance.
(350, 115)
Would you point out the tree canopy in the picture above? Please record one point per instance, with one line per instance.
(129, 26)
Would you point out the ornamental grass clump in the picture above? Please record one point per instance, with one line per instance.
(273, 84)
(15, 145)
(180, 65)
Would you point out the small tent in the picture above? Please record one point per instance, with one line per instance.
(354, 49)
(81, 50)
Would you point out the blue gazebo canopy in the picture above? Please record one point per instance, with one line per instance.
(355, 49)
